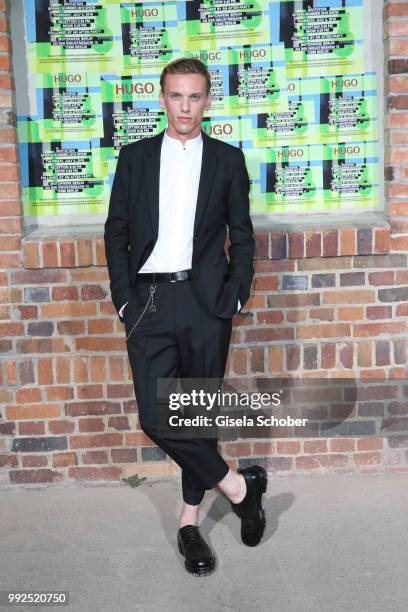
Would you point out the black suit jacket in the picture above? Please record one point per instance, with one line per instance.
(131, 228)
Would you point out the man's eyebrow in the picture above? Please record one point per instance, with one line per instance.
(195, 93)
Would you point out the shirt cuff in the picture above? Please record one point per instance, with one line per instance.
(239, 306)
(121, 310)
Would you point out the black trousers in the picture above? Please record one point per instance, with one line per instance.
(180, 339)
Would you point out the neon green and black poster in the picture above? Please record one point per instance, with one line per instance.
(289, 86)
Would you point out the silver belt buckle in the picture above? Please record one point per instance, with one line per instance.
(171, 280)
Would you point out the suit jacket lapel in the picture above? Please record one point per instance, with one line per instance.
(152, 177)
(208, 167)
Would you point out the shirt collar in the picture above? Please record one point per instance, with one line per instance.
(177, 144)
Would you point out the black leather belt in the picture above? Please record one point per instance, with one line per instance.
(171, 277)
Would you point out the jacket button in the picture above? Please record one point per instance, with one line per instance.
(195, 237)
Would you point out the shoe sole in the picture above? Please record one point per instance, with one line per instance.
(197, 571)
(262, 489)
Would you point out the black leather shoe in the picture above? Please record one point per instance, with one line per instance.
(250, 508)
(199, 560)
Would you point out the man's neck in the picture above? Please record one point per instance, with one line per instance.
(183, 137)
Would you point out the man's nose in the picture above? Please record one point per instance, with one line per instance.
(185, 105)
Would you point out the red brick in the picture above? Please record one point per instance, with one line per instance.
(8, 461)
(45, 374)
(95, 473)
(346, 356)
(92, 392)
(34, 476)
(313, 244)
(31, 428)
(84, 252)
(288, 447)
(91, 425)
(124, 455)
(64, 459)
(315, 446)
(101, 326)
(398, 28)
(8, 154)
(267, 334)
(349, 296)
(395, 9)
(42, 345)
(58, 311)
(137, 438)
(262, 245)
(367, 458)
(292, 316)
(328, 330)
(33, 411)
(59, 393)
(31, 255)
(5, 44)
(104, 344)
(398, 84)
(50, 254)
(370, 444)
(106, 439)
(351, 313)
(347, 240)
(296, 244)
(9, 208)
(61, 426)
(32, 461)
(120, 423)
(237, 449)
(93, 457)
(342, 445)
(381, 278)
(239, 361)
(3, 24)
(330, 243)
(323, 461)
(265, 283)
(263, 448)
(379, 312)
(67, 253)
(10, 243)
(377, 329)
(269, 317)
(328, 356)
(71, 328)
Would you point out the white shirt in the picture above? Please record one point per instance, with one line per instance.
(180, 169)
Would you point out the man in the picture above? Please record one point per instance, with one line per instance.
(173, 197)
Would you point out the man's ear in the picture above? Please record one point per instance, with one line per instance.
(161, 98)
(208, 101)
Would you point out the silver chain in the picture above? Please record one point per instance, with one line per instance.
(152, 308)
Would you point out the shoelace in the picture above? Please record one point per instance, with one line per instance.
(191, 533)
(251, 524)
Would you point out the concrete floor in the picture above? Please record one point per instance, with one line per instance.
(332, 544)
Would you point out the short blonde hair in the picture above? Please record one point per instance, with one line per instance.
(186, 65)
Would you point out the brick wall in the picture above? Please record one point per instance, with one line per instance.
(67, 403)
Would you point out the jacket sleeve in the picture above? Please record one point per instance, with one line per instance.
(241, 235)
(116, 234)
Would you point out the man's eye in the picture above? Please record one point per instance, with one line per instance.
(174, 96)
(195, 97)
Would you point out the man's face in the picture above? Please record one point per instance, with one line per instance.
(185, 99)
